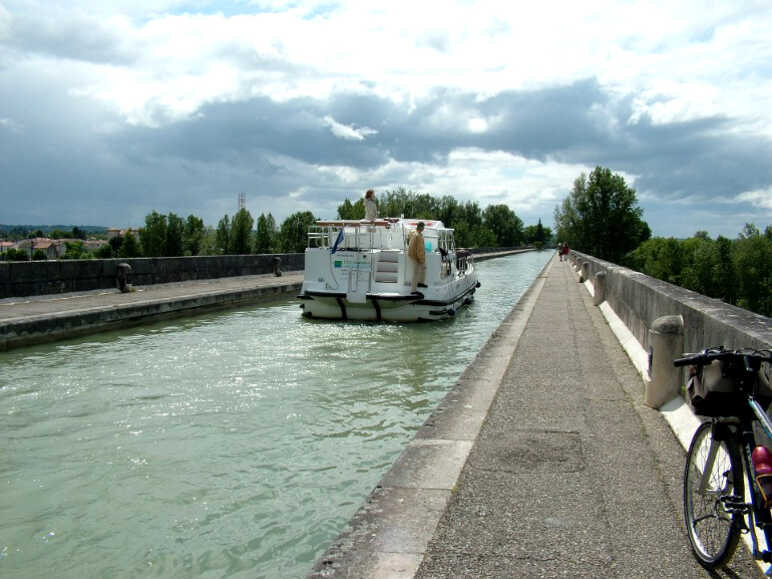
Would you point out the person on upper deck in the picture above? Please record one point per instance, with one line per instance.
(371, 208)
(417, 254)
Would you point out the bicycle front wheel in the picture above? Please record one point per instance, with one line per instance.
(713, 474)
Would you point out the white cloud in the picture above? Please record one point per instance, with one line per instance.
(477, 125)
(347, 132)
(761, 198)
(683, 61)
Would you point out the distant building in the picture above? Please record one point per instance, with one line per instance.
(53, 248)
(117, 232)
(44, 244)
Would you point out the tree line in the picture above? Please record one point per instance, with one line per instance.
(601, 217)
(495, 226)
(170, 235)
(737, 271)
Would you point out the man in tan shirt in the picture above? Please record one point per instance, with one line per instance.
(417, 254)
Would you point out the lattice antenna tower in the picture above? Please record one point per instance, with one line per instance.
(242, 201)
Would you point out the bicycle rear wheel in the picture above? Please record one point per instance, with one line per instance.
(713, 472)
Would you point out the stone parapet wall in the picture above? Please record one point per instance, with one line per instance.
(24, 278)
(638, 300)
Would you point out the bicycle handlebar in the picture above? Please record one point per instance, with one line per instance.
(718, 352)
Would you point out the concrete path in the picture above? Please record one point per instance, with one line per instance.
(571, 475)
(35, 319)
(541, 462)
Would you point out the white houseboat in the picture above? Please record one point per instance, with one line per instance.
(359, 270)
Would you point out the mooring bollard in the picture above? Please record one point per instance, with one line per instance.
(122, 277)
(666, 337)
(599, 283)
(277, 266)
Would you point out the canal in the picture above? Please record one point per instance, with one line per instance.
(235, 444)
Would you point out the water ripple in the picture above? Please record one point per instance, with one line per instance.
(236, 444)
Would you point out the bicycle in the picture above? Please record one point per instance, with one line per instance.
(722, 497)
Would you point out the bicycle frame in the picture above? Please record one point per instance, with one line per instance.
(747, 441)
(739, 506)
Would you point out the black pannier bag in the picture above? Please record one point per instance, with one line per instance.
(712, 392)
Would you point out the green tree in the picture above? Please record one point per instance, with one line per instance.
(130, 246)
(14, 254)
(104, 251)
(483, 237)
(78, 233)
(75, 250)
(115, 244)
(402, 201)
(753, 264)
(699, 257)
(209, 242)
(448, 211)
(222, 243)
(537, 235)
(601, 216)
(39, 255)
(241, 232)
(193, 235)
(60, 234)
(266, 233)
(506, 227)
(658, 257)
(348, 210)
(294, 231)
(724, 273)
(153, 235)
(175, 228)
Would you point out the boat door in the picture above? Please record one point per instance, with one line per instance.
(359, 268)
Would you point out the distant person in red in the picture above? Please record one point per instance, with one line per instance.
(564, 251)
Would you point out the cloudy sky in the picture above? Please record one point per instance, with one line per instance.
(110, 109)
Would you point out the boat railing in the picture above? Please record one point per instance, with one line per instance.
(356, 235)
(366, 235)
(463, 260)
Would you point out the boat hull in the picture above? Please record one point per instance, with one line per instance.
(387, 307)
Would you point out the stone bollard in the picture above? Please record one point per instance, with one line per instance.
(122, 277)
(666, 337)
(584, 273)
(600, 288)
(277, 266)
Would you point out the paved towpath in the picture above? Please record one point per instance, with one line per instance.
(35, 319)
(571, 475)
(17, 308)
(542, 461)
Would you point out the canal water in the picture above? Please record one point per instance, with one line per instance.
(235, 444)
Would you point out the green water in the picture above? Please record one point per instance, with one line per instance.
(228, 445)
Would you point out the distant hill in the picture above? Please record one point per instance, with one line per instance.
(17, 232)
(48, 228)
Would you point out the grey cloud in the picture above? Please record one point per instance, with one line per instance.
(69, 36)
(271, 149)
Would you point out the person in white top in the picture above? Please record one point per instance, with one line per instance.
(371, 209)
